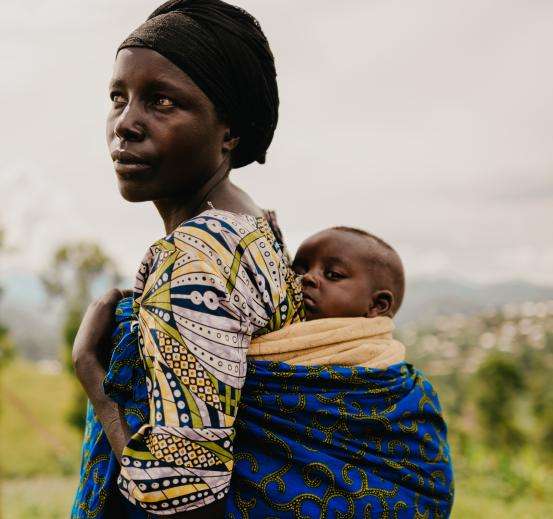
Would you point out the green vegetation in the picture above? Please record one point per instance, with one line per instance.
(35, 439)
(39, 450)
(38, 498)
(493, 374)
(6, 345)
(74, 269)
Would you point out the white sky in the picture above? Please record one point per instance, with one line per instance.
(429, 123)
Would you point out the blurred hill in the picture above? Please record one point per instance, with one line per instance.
(425, 299)
(34, 321)
(458, 344)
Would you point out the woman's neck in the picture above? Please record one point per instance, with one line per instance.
(222, 194)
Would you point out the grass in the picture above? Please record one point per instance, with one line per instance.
(50, 498)
(492, 485)
(35, 439)
(39, 458)
(484, 507)
(38, 498)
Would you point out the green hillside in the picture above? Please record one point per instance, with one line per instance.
(39, 452)
(492, 371)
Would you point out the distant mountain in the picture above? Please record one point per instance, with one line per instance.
(34, 322)
(425, 299)
(456, 345)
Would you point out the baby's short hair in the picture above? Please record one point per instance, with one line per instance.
(385, 258)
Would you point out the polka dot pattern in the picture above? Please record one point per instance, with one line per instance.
(200, 295)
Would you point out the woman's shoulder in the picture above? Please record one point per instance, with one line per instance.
(238, 253)
(259, 266)
(213, 231)
(224, 227)
(224, 239)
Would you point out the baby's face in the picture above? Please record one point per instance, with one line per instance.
(335, 275)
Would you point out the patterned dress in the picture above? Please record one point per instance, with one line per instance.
(201, 294)
(312, 441)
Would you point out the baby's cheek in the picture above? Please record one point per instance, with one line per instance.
(358, 301)
(339, 303)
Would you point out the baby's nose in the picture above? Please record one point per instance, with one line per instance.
(309, 279)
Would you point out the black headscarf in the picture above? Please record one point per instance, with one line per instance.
(224, 51)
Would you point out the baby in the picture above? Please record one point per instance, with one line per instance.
(331, 408)
(352, 284)
(348, 272)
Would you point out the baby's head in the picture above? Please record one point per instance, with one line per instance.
(348, 272)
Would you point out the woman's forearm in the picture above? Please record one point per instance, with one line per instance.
(91, 376)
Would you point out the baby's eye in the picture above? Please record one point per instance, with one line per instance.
(333, 275)
(298, 269)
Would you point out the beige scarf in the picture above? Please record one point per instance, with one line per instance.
(347, 341)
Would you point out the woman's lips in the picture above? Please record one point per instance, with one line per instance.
(128, 163)
(130, 168)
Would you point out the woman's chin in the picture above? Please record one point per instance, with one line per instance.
(134, 193)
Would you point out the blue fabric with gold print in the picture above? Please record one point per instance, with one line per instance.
(125, 383)
(316, 441)
(312, 441)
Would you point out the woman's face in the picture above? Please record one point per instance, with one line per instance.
(164, 136)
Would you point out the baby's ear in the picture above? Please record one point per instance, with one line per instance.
(381, 303)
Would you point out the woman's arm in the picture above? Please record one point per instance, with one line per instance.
(91, 375)
(91, 347)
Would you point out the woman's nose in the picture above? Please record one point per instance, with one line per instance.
(310, 279)
(128, 125)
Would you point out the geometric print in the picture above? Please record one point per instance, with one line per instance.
(200, 295)
(190, 372)
(180, 451)
(125, 383)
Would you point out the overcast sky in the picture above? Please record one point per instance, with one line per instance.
(429, 123)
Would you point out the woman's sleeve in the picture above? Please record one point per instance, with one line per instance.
(199, 304)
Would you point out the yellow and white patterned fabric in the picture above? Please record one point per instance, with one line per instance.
(201, 294)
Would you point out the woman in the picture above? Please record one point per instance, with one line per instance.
(193, 95)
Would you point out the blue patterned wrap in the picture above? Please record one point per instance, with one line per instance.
(125, 382)
(317, 442)
(312, 441)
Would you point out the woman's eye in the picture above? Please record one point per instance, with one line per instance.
(117, 98)
(164, 101)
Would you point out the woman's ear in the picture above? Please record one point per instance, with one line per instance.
(229, 141)
(381, 303)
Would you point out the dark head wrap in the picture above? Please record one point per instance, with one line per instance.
(224, 51)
